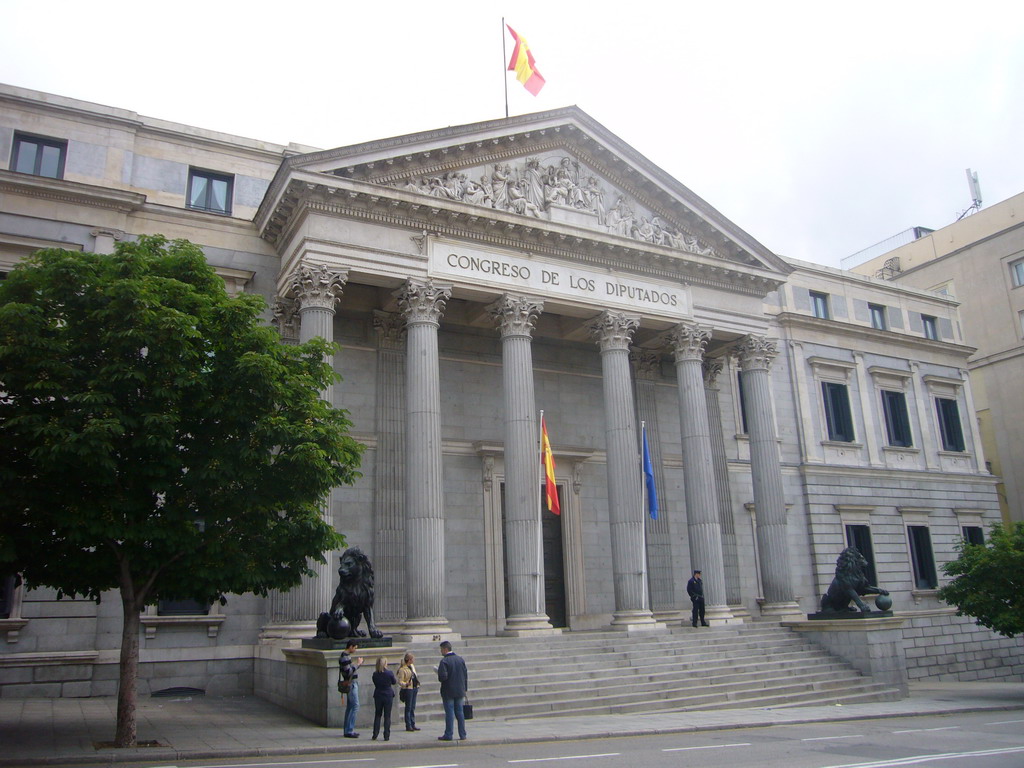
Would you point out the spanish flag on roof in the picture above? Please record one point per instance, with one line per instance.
(523, 65)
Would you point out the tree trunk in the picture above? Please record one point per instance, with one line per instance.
(127, 688)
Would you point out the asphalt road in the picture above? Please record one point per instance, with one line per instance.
(982, 740)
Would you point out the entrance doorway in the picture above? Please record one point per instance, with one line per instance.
(553, 558)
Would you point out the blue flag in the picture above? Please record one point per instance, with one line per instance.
(652, 492)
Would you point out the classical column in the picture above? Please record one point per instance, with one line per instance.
(524, 563)
(663, 583)
(613, 332)
(688, 342)
(755, 354)
(389, 481)
(316, 290)
(726, 521)
(422, 304)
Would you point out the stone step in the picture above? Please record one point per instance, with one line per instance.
(721, 667)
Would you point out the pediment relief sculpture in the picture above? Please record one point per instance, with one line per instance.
(556, 188)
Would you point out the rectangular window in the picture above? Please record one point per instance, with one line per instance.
(838, 418)
(1017, 273)
(209, 191)
(931, 329)
(859, 536)
(8, 582)
(877, 312)
(819, 305)
(949, 424)
(973, 534)
(743, 403)
(182, 608)
(921, 557)
(38, 155)
(897, 422)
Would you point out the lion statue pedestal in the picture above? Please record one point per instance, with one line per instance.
(848, 586)
(352, 605)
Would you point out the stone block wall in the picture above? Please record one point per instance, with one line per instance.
(942, 646)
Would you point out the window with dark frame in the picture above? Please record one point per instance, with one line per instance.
(930, 326)
(743, 403)
(859, 536)
(1017, 273)
(921, 557)
(897, 420)
(209, 191)
(950, 430)
(819, 304)
(8, 582)
(38, 155)
(838, 419)
(877, 312)
(973, 534)
(186, 607)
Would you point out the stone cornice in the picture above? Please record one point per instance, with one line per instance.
(332, 196)
(71, 192)
(837, 328)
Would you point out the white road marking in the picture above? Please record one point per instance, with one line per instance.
(925, 730)
(293, 762)
(826, 738)
(1005, 722)
(567, 757)
(914, 760)
(709, 746)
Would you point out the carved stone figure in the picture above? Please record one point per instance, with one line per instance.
(849, 584)
(353, 600)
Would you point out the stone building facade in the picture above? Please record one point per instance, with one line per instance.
(474, 276)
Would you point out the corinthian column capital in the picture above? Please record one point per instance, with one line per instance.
(712, 368)
(316, 285)
(613, 330)
(390, 328)
(423, 302)
(688, 341)
(755, 353)
(285, 316)
(646, 363)
(516, 315)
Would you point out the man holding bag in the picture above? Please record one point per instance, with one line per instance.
(454, 679)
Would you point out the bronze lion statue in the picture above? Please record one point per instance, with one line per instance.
(850, 583)
(353, 600)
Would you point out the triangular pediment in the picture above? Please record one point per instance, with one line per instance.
(560, 167)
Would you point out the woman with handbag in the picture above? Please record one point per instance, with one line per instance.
(408, 689)
(383, 697)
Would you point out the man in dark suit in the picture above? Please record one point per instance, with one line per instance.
(695, 589)
(454, 678)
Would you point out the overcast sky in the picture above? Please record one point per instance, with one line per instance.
(819, 128)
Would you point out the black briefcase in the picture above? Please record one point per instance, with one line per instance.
(467, 711)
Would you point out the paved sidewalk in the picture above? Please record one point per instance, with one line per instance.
(55, 731)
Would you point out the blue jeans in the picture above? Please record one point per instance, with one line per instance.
(410, 707)
(351, 707)
(452, 712)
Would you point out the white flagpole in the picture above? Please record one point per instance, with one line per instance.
(540, 517)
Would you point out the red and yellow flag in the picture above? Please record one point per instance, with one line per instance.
(550, 488)
(523, 65)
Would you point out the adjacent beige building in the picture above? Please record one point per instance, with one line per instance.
(979, 262)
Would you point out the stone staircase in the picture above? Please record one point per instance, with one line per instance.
(760, 664)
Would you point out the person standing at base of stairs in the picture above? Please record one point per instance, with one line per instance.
(695, 589)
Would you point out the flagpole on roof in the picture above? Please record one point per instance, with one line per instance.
(504, 74)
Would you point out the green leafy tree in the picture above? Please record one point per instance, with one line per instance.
(988, 581)
(156, 438)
